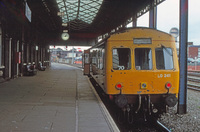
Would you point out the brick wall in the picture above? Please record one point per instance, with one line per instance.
(193, 52)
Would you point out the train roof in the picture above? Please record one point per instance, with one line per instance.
(137, 28)
(102, 42)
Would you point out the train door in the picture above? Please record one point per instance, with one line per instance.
(86, 62)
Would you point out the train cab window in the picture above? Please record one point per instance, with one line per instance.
(121, 59)
(143, 59)
(164, 58)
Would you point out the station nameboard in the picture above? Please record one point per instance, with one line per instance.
(174, 32)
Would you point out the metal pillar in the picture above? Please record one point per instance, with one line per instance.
(35, 56)
(73, 55)
(39, 54)
(17, 50)
(0, 45)
(21, 49)
(182, 108)
(6, 58)
(22, 44)
(10, 57)
(27, 54)
(31, 54)
(43, 54)
(153, 17)
(13, 70)
(134, 22)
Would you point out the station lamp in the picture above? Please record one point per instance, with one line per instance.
(36, 48)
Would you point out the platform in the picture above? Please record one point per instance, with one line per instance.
(56, 100)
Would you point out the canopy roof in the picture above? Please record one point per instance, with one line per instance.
(88, 18)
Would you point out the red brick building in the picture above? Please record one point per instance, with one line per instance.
(194, 51)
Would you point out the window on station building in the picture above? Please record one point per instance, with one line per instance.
(198, 52)
(121, 59)
(164, 58)
(143, 59)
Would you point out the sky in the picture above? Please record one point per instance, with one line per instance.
(168, 17)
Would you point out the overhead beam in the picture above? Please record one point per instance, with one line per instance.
(134, 24)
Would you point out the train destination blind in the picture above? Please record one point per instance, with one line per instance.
(142, 41)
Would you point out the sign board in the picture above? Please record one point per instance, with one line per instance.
(28, 12)
(174, 32)
(18, 57)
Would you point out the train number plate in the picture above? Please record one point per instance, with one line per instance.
(164, 75)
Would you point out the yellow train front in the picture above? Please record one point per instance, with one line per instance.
(138, 69)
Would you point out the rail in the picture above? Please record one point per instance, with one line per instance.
(150, 125)
(194, 80)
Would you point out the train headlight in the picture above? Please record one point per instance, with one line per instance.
(168, 85)
(118, 86)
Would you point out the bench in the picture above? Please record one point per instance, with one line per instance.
(41, 67)
(30, 70)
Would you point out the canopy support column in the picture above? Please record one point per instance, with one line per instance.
(182, 102)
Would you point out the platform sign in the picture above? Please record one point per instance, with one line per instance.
(28, 12)
(18, 57)
(174, 32)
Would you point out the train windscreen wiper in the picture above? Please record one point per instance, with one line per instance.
(166, 49)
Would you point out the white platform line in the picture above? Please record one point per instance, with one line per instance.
(105, 112)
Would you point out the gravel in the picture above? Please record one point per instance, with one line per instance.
(189, 122)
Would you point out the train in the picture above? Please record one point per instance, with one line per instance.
(138, 70)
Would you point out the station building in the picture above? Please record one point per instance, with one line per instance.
(194, 51)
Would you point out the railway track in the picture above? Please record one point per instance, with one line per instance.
(161, 127)
(196, 74)
(193, 81)
(193, 87)
(145, 126)
(138, 126)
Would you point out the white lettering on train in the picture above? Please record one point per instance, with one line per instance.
(164, 75)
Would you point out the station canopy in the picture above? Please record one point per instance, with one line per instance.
(79, 10)
(88, 18)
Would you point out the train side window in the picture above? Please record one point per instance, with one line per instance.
(101, 62)
(121, 59)
(143, 59)
(93, 54)
(164, 58)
